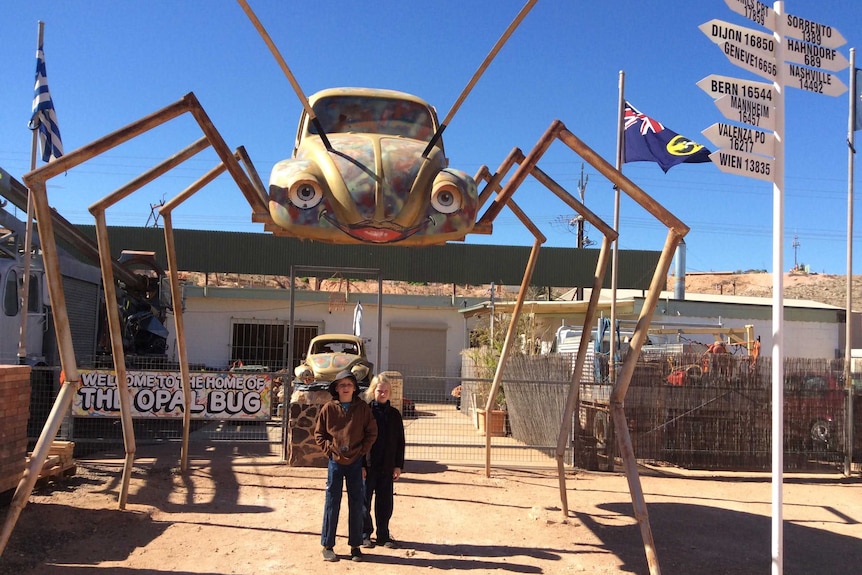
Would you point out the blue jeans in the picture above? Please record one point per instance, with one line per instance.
(336, 475)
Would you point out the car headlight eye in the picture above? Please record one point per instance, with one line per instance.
(360, 371)
(446, 198)
(305, 192)
(303, 373)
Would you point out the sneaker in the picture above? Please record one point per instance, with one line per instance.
(367, 543)
(329, 554)
(390, 544)
(355, 554)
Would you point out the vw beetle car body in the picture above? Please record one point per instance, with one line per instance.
(329, 354)
(371, 176)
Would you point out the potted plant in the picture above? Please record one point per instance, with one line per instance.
(495, 420)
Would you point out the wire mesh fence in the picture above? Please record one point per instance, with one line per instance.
(681, 409)
(702, 411)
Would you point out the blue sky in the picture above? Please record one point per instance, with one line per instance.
(110, 63)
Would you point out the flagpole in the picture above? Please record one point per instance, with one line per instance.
(612, 363)
(28, 238)
(848, 322)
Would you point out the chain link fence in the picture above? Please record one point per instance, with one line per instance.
(682, 409)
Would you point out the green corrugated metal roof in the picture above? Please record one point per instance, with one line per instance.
(259, 253)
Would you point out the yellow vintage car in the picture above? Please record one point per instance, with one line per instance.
(369, 167)
(329, 354)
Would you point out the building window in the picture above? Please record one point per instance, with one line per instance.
(264, 342)
(11, 301)
(34, 299)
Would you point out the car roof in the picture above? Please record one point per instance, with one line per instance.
(337, 337)
(370, 92)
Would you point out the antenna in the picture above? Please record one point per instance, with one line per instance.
(154, 214)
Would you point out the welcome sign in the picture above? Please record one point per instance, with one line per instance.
(215, 395)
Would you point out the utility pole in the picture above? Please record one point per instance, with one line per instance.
(795, 245)
(582, 187)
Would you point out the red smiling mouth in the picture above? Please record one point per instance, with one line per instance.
(375, 234)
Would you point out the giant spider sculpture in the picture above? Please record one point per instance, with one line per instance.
(368, 166)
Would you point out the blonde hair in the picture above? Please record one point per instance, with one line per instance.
(375, 383)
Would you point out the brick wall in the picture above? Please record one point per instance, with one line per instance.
(14, 412)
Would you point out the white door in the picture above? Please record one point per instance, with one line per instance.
(418, 351)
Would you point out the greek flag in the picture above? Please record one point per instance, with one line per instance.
(44, 117)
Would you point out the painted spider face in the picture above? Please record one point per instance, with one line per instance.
(373, 185)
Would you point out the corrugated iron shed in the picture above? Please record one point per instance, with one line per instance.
(259, 253)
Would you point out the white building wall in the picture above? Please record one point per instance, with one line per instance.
(801, 338)
(812, 339)
(207, 322)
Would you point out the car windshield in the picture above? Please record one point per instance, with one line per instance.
(335, 347)
(373, 115)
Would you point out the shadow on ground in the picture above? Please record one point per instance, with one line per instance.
(708, 540)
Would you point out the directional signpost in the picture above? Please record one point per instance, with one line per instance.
(743, 164)
(757, 12)
(813, 80)
(747, 111)
(811, 31)
(747, 48)
(809, 57)
(741, 139)
(814, 55)
(717, 86)
(802, 54)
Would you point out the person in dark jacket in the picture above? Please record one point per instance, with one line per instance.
(345, 429)
(385, 463)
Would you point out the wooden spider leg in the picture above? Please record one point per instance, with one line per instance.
(676, 232)
(494, 181)
(252, 189)
(166, 212)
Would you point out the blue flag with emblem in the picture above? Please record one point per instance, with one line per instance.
(44, 116)
(647, 140)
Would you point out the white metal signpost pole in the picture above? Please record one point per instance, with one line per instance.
(759, 105)
(797, 55)
(778, 308)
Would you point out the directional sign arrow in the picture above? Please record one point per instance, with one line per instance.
(741, 139)
(757, 12)
(746, 111)
(811, 80)
(747, 48)
(743, 164)
(811, 31)
(717, 86)
(814, 55)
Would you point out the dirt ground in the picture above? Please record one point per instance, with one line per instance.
(824, 288)
(240, 510)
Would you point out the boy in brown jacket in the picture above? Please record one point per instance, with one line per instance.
(345, 430)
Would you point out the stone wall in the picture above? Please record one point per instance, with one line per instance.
(302, 451)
